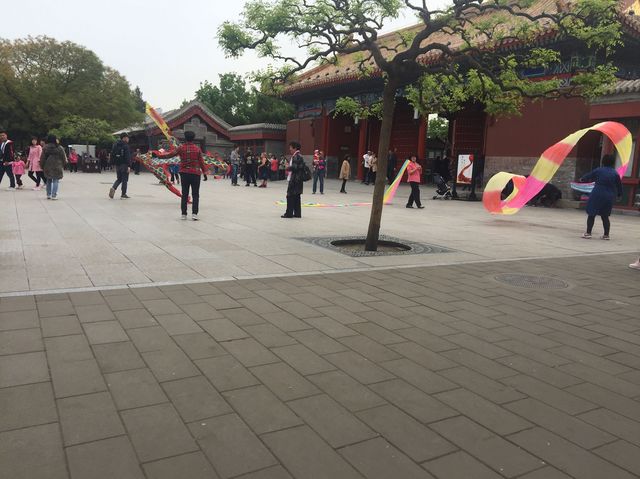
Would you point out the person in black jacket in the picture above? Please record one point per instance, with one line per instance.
(121, 158)
(6, 158)
(295, 173)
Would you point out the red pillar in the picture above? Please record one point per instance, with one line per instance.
(362, 147)
(325, 132)
(422, 139)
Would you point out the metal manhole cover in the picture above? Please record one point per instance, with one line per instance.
(531, 281)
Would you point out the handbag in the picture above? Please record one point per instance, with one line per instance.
(306, 173)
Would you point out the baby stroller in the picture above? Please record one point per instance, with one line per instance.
(443, 192)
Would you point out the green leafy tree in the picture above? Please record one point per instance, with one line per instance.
(457, 52)
(237, 104)
(43, 81)
(141, 105)
(76, 129)
(438, 128)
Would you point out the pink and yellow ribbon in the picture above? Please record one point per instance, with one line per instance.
(524, 189)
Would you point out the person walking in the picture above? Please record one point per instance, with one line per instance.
(414, 173)
(373, 168)
(234, 160)
(6, 158)
(282, 168)
(121, 158)
(345, 172)
(33, 164)
(136, 162)
(263, 170)
(174, 170)
(17, 168)
(250, 169)
(600, 203)
(295, 187)
(366, 158)
(392, 159)
(273, 164)
(192, 166)
(73, 161)
(319, 171)
(53, 161)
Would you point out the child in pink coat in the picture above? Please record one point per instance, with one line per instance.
(18, 170)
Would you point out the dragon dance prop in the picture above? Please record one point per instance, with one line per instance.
(159, 167)
(524, 189)
(389, 194)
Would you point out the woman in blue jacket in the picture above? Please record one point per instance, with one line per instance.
(607, 187)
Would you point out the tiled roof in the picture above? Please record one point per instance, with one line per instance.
(259, 126)
(347, 68)
(625, 86)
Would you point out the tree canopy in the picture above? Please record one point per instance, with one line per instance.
(75, 129)
(472, 51)
(42, 81)
(238, 104)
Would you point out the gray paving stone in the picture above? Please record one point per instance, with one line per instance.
(359, 367)
(547, 358)
(114, 357)
(560, 423)
(602, 379)
(121, 302)
(192, 466)
(29, 405)
(195, 398)
(330, 327)
(261, 410)
(590, 360)
(178, 324)
(199, 345)
(135, 318)
(21, 341)
(105, 332)
(423, 356)
(201, 311)
(411, 400)
(331, 421)
(304, 454)
(370, 349)
(545, 473)
(60, 326)
(427, 339)
(87, 298)
(284, 381)
(347, 391)
(460, 465)
(157, 432)
(55, 308)
(76, 377)
(106, 459)
(32, 453)
(221, 301)
(566, 456)
(147, 293)
(226, 373)
(135, 388)
(557, 398)
(414, 439)
(231, 446)
(223, 329)
(18, 320)
(378, 333)
(94, 313)
(622, 454)
(259, 305)
(243, 317)
(341, 315)
(17, 303)
(169, 364)
(285, 321)
(161, 306)
(250, 352)
(531, 368)
(269, 336)
(299, 310)
(484, 412)
(484, 348)
(614, 423)
(318, 342)
(88, 418)
(491, 449)
(302, 359)
(377, 459)
(67, 348)
(478, 363)
(418, 376)
(150, 339)
(276, 472)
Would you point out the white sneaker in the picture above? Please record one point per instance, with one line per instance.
(635, 265)
(184, 217)
(194, 217)
(54, 197)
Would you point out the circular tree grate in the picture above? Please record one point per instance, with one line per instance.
(531, 281)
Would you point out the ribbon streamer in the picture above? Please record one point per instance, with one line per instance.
(524, 189)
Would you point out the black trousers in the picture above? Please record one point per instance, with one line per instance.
(190, 181)
(250, 174)
(415, 194)
(8, 170)
(294, 207)
(37, 177)
(73, 167)
(122, 178)
(344, 184)
(606, 224)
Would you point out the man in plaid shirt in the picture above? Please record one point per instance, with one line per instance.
(191, 167)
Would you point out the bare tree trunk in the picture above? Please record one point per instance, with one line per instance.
(388, 106)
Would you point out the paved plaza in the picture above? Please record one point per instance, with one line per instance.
(514, 355)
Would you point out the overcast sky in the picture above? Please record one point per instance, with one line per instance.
(166, 47)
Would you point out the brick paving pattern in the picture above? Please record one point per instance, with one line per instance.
(429, 372)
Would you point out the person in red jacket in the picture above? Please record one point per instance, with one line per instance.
(192, 166)
(414, 173)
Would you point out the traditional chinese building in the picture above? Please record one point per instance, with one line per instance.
(212, 132)
(507, 144)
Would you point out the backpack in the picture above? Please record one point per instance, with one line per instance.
(117, 155)
(306, 172)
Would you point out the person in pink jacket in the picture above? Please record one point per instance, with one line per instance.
(414, 174)
(33, 164)
(18, 170)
